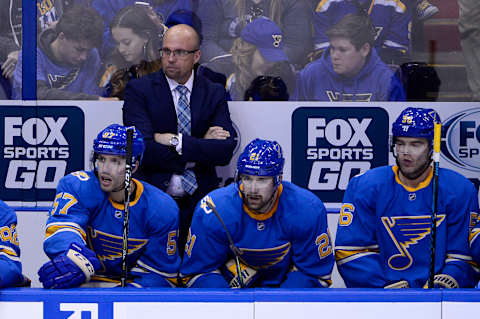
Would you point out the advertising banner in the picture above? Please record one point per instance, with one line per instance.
(40, 145)
(461, 142)
(324, 144)
(330, 146)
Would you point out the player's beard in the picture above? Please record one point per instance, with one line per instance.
(264, 205)
(416, 173)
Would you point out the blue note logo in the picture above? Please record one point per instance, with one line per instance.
(406, 231)
(461, 139)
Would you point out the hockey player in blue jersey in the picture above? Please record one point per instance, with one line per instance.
(278, 230)
(383, 236)
(85, 227)
(475, 240)
(10, 266)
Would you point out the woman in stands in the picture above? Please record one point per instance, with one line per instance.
(138, 34)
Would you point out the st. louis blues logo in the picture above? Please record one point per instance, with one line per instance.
(264, 258)
(406, 231)
(57, 81)
(109, 247)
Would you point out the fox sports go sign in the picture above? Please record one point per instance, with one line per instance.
(461, 139)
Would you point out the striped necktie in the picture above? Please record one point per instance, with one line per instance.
(189, 182)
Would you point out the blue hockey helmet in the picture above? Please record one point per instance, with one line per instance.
(113, 141)
(261, 158)
(415, 122)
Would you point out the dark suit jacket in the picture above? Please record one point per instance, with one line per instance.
(149, 106)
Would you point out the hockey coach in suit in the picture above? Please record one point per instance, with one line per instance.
(185, 122)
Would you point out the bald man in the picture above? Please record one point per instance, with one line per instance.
(185, 122)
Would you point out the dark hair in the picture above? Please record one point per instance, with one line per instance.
(120, 78)
(81, 24)
(267, 88)
(137, 19)
(420, 81)
(359, 29)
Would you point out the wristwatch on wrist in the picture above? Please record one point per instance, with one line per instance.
(173, 141)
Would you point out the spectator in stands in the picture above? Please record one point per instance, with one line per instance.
(223, 21)
(469, 25)
(108, 9)
(186, 124)
(392, 21)
(349, 70)
(258, 51)
(138, 40)
(10, 44)
(67, 58)
(152, 64)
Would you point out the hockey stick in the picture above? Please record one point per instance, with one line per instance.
(436, 164)
(234, 249)
(126, 216)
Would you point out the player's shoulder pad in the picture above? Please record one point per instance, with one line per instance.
(374, 176)
(83, 185)
(159, 205)
(448, 177)
(297, 201)
(7, 214)
(299, 194)
(228, 205)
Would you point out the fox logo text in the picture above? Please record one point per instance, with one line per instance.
(461, 139)
(35, 131)
(39, 149)
(330, 146)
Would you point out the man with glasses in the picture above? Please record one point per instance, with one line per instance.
(185, 121)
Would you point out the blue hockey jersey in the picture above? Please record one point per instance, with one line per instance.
(84, 214)
(475, 239)
(383, 233)
(10, 266)
(375, 82)
(290, 241)
(391, 19)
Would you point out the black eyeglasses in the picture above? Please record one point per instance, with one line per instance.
(176, 53)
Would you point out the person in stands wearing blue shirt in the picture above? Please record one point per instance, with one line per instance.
(350, 70)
